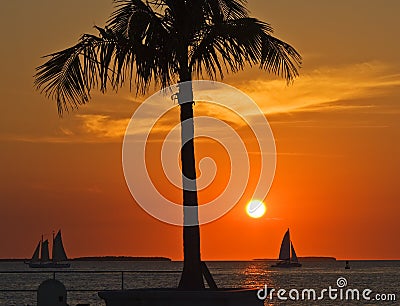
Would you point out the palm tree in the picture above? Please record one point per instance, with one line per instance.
(167, 41)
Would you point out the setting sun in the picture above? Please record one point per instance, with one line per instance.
(256, 209)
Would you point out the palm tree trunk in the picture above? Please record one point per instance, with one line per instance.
(192, 277)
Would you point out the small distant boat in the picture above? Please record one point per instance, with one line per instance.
(347, 267)
(287, 254)
(44, 261)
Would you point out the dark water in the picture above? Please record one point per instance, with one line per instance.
(381, 277)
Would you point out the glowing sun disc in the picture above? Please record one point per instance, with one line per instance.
(256, 209)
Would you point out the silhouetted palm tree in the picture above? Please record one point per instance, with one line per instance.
(167, 41)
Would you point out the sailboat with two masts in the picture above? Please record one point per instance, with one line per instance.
(287, 254)
(41, 256)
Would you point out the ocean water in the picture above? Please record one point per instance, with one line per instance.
(382, 278)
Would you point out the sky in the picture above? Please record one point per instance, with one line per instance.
(336, 129)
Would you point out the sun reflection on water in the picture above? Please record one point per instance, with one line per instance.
(257, 275)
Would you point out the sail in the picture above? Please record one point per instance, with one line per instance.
(294, 256)
(35, 256)
(58, 249)
(284, 253)
(45, 251)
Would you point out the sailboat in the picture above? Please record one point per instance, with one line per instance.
(41, 257)
(287, 254)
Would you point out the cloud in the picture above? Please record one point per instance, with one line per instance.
(103, 125)
(88, 128)
(322, 88)
(66, 131)
(352, 88)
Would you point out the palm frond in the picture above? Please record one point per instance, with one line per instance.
(234, 43)
(120, 20)
(69, 75)
(233, 9)
(279, 58)
(143, 35)
(146, 41)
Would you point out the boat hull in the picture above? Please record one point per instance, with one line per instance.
(51, 265)
(287, 265)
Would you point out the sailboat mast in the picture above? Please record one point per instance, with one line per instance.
(52, 250)
(290, 245)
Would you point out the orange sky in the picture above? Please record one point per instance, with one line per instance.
(337, 132)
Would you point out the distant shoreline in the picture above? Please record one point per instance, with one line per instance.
(120, 258)
(166, 259)
(99, 258)
(304, 259)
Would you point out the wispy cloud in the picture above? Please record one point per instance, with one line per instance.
(319, 90)
(103, 125)
(324, 90)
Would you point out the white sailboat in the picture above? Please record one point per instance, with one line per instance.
(287, 254)
(43, 260)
